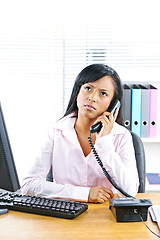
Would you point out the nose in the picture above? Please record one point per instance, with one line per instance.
(92, 97)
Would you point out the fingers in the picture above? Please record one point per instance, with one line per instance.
(103, 196)
(109, 192)
(99, 194)
(107, 124)
(112, 116)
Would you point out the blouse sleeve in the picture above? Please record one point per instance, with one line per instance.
(118, 158)
(35, 181)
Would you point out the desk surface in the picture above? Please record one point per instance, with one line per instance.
(97, 223)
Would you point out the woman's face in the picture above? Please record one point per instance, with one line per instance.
(94, 97)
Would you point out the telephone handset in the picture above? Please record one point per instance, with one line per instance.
(97, 127)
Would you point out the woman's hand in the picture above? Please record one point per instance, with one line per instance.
(99, 194)
(107, 119)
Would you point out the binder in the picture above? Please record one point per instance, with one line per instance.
(136, 110)
(153, 178)
(127, 106)
(153, 109)
(145, 106)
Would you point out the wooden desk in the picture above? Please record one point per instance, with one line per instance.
(97, 223)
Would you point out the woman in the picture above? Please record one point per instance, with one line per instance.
(77, 175)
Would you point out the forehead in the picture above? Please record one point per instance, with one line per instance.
(104, 83)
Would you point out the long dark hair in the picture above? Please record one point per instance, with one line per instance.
(92, 73)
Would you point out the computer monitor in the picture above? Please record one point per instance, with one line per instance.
(8, 174)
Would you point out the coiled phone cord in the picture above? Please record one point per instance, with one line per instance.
(104, 170)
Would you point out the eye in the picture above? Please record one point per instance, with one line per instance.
(88, 88)
(103, 94)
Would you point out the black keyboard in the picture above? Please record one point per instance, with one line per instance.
(43, 206)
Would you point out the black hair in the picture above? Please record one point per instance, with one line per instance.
(92, 73)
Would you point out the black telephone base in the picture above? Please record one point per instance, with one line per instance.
(129, 209)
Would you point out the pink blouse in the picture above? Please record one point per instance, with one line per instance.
(73, 173)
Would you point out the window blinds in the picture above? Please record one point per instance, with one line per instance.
(122, 34)
(44, 44)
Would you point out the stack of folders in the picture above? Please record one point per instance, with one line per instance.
(140, 106)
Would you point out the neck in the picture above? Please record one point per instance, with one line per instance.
(82, 128)
(83, 124)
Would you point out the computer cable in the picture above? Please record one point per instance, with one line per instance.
(147, 226)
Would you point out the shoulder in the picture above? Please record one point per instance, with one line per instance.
(120, 132)
(65, 122)
(119, 129)
(63, 126)
(119, 138)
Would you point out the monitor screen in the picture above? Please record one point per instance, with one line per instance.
(8, 174)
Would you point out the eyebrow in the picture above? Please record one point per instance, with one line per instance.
(100, 89)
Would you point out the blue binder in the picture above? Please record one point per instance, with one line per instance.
(153, 178)
(136, 109)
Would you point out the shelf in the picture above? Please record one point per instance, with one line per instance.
(151, 140)
(152, 187)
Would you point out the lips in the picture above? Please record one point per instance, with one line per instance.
(89, 107)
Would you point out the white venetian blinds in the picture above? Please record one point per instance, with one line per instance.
(123, 34)
(44, 44)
